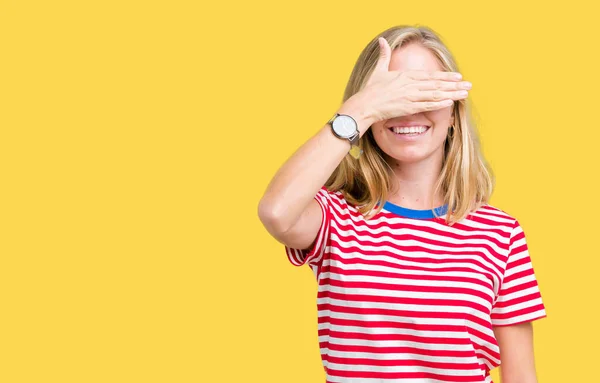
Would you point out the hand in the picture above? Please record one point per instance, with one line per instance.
(394, 93)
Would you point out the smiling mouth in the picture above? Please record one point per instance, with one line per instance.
(409, 130)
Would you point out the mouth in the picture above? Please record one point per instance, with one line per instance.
(409, 131)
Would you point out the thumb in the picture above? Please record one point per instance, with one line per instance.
(383, 63)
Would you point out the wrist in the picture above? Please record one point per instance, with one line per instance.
(356, 109)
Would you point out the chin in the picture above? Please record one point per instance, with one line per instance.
(407, 155)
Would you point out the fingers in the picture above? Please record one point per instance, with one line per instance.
(435, 75)
(442, 85)
(438, 95)
(424, 106)
(437, 86)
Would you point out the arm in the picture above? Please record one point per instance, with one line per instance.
(288, 209)
(516, 353)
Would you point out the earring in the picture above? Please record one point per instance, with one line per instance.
(451, 129)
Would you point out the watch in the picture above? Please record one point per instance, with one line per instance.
(345, 127)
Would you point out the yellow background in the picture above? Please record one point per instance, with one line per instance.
(138, 137)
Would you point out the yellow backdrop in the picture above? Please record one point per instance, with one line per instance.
(138, 137)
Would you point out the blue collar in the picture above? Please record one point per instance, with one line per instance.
(413, 213)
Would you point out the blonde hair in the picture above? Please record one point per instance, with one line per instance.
(465, 179)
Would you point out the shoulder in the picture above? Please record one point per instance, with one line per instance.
(336, 202)
(495, 211)
(335, 196)
(494, 216)
(497, 223)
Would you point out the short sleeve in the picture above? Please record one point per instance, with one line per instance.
(314, 254)
(519, 299)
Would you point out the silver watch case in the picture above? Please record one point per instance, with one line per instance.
(345, 127)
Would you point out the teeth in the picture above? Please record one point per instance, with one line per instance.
(407, 129)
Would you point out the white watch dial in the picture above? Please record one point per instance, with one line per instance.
(344, 126)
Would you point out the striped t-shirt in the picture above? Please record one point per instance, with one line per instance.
(405, 297)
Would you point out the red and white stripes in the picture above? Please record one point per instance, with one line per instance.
(413, 299)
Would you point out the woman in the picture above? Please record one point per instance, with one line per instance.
(434, 284)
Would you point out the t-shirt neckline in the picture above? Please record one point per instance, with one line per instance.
(415, 213)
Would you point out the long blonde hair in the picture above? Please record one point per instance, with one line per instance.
(465, 179)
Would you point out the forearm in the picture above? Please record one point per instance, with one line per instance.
(299, 179)
(516, 353)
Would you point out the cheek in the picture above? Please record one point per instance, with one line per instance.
(378, 131)
(440, 116)
(441, 121)
(381, 140)
(440, 133)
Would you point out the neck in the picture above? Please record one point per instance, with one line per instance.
(414, 182)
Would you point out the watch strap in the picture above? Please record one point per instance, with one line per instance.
(355, 150)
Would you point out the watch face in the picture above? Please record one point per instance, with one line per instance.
(344, 126)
